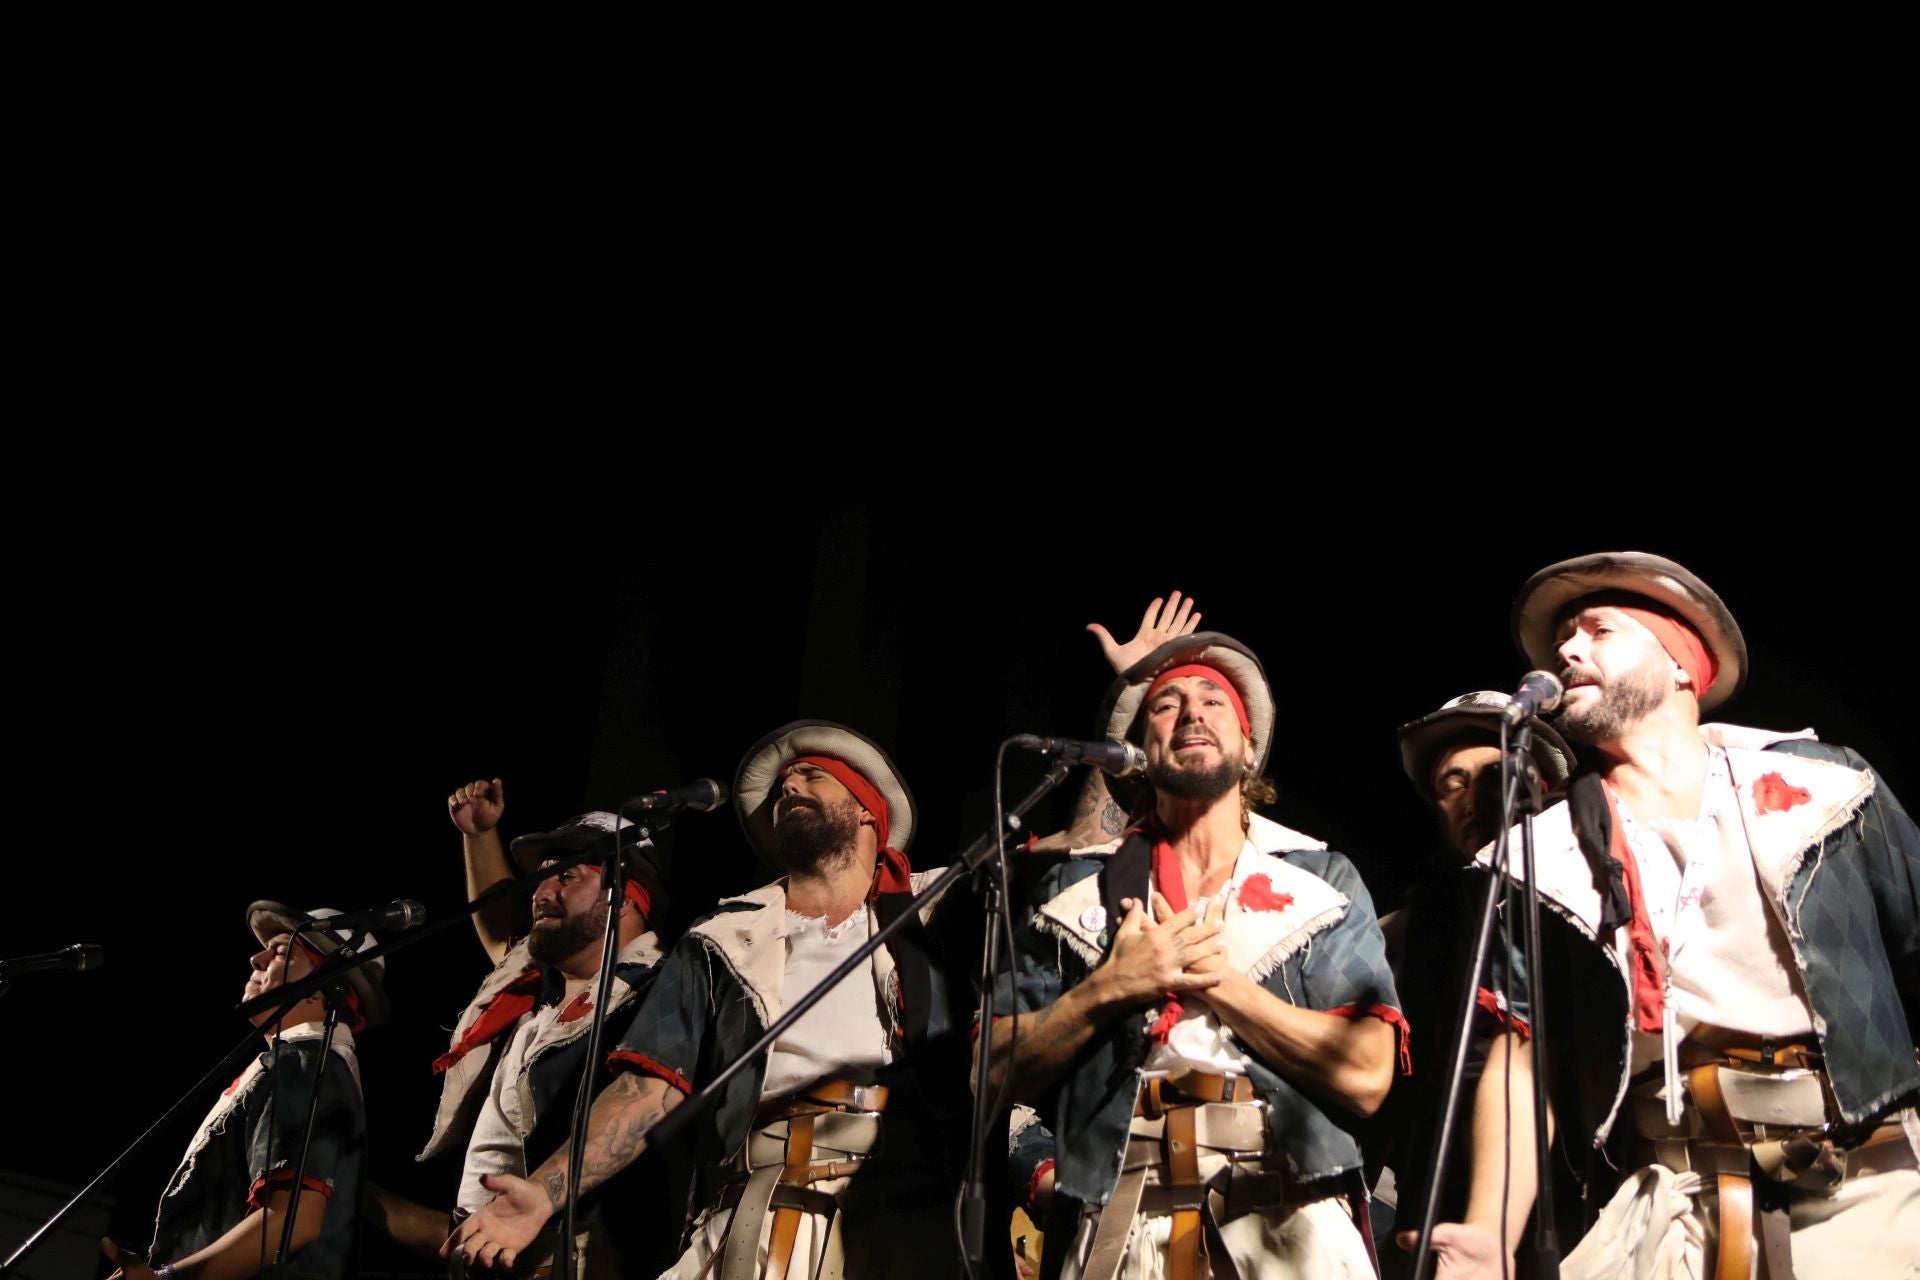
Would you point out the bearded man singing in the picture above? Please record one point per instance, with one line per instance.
(825, 1157)
(1202, 1008)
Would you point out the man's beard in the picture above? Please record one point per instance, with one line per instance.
(1194, 784)
(550, 944)
(1623, 702)
(810, 835)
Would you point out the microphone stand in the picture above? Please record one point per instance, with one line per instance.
(613, 872)
(278, 1001)
(333, 998)
(1517, 770)
(988, 845)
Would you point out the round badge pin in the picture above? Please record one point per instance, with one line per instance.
(1094, 918)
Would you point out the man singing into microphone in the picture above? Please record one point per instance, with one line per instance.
(1202, 1006)
(1731, 923)
(225, 1208)
(511, 1072)
(823, 1155)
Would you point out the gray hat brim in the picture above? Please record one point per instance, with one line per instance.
(1121, 707)
(269, 919)
(754, 790)
(1478, 712)
(1548, 595)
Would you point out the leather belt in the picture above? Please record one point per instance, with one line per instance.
(1175, 1116)
(1161, 1093)
(781, 1166)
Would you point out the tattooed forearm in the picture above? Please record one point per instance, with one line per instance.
(554, 1183)
(617, 1129)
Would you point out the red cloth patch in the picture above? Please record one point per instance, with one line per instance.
(1774, 794)
(1257, 895)
(228, 1091)
(508, 1006)
(577, 1008)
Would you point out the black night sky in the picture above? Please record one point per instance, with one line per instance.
(215, 708)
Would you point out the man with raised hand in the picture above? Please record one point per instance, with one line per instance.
(825, 1155)
(1203, 1003)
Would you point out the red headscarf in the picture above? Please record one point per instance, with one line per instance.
(1682, 643)
(1205, 672)
(896, 875)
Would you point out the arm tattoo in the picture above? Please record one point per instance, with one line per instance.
(554, 1183)
(630, 1114)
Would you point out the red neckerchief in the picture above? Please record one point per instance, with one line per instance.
(1643, 952)
(894, 875)
(1171, 879)
(508, 1006)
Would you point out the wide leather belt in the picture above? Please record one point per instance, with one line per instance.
(822, 1133)
(1174, 1119)
(1162, 1092)
(834, 1135)
(1760, 1103)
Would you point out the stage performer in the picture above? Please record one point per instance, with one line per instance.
(225, 1208)
(826, 1155)
(513, 1066)
(1203, 1004)
(1452, 758)
(1738, 913)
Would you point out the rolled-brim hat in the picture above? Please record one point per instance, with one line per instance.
(755, 789)
(270, 919)
(1206, 648)
(1422, 740)
(644, 860)
(1551, 593)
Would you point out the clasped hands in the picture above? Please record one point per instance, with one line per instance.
(1166, 951)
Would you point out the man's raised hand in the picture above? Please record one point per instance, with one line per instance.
(1164, 620)
(477, 806)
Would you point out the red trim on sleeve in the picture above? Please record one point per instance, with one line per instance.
(1490, 1004)
(1402, 1033)
(1040, 1171)
(285, 1178)
(628, 1060)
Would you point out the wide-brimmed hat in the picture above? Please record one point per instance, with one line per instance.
(644, 860)
(1208, 648)
(1479, 712)
(755, 789)
(269, 919)
(1550, 593)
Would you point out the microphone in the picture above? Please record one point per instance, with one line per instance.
(1121, 759)
(702, 795)
(395, 917)
(78, 958)
(1539, 692)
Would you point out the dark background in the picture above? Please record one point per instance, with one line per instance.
(263, 698)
